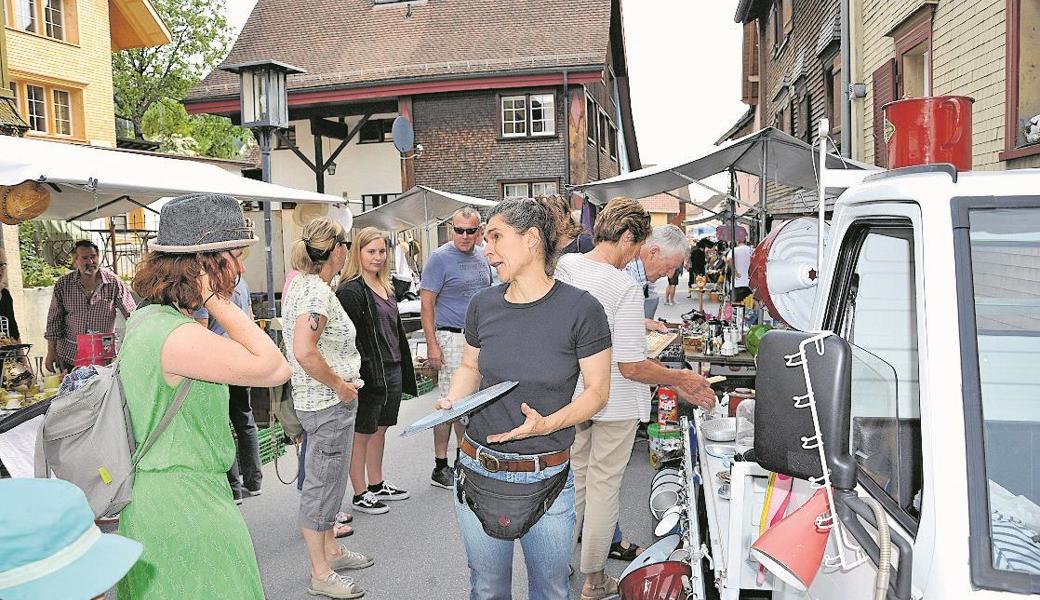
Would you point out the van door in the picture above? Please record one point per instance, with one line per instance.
(875, 300)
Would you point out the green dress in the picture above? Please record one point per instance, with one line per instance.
(196, 545)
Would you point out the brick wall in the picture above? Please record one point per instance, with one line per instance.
(968, 59)
(465, 153)
(86, 65)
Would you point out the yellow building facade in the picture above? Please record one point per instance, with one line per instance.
(59, 62)
(988, 50)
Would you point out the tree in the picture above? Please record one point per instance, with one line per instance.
(194, 135)
(143, 77)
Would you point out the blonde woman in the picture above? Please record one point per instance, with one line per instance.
(367, 295)
(325, 378)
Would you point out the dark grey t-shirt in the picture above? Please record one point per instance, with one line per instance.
(537, 344)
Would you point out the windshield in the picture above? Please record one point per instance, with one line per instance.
(1005, 267)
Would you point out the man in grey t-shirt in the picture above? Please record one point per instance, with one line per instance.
(454, 274)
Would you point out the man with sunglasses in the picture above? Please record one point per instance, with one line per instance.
(455, 273)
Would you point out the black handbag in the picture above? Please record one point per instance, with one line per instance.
(507, 510)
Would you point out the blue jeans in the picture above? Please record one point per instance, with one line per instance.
(547, 545)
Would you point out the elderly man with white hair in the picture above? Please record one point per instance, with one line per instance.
(661, 255)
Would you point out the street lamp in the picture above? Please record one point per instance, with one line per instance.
(265, 107)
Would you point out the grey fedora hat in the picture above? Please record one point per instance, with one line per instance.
(202, 223)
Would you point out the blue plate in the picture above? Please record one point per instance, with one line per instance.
(461, 408)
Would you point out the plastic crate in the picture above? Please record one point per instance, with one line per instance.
(424, 385)
(272, 444)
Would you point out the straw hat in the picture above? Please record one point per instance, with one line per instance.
(202, 223)
(24, 201)
(305, 212)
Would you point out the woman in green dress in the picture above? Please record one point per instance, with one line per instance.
(196, 545)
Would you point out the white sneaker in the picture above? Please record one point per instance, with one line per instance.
(335, 586)
(349, 559)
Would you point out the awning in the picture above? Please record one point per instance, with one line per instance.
(788, 161)
(419, 207)
(88, 182)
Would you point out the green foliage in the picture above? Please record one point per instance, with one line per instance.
(145, 77)
(36, 271)
(194, 135)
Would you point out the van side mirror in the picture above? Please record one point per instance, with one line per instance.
(784, 432)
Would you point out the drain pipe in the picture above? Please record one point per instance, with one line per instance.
(846, 79)
(566, 130)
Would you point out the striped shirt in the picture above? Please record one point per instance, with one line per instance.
(72, 312)
(622, 300)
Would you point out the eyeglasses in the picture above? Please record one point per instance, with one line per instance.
(466, 230)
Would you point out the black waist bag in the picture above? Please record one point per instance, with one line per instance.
(507, 510)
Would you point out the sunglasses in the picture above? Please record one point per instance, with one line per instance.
(466, 230)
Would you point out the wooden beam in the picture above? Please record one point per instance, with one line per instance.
(285, 140)
(346, 140)
(330, 129)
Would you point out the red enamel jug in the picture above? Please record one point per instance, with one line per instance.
(931, 130)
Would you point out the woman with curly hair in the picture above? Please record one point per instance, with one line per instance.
(196, 544)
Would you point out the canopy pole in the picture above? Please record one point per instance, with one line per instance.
(762, 192)
(733, 237)
(426, 227)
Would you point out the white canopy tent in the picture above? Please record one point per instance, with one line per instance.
(88, 182)
(770, 152)
(418, 208)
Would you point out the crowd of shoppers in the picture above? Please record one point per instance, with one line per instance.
(574, 305)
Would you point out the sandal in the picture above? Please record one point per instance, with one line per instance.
(342, 530)
(607, 589)
(343, 518)
(619, 551)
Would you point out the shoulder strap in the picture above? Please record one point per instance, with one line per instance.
(171, 411)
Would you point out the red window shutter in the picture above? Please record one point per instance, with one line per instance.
(884, 87)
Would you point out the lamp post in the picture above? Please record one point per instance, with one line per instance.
(264, 108)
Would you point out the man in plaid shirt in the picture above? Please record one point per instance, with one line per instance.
(85, 301)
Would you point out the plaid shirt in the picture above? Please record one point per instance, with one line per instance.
(72, 312)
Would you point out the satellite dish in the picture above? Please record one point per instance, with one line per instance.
(784, 273)
(403, 134)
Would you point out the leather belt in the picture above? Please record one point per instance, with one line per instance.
(493, 463)
(451, 329)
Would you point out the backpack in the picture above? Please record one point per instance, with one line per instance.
(86, 439)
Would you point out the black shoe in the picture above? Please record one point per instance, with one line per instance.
(367, 503)
(443, 477)
(389, 491)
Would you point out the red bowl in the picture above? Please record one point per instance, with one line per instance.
(657, 581)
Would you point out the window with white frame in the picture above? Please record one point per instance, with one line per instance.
(516, 190)
(529, 115)
(613, 142)
(528, 189)
(62, 113)
(542, 114)
(36, 103)
(54, 18)
(514, 116)
(590, 120)
(543, 188)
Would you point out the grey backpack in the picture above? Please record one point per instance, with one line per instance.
(86, 439)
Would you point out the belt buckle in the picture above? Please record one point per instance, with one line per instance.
(490, 463)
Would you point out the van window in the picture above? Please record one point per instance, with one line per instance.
(876, 311)
(1005, 270)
